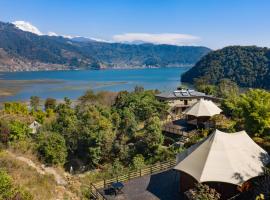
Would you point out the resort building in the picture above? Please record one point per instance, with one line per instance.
(180, 100)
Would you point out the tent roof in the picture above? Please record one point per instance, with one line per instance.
(203, 108)
(224, 157)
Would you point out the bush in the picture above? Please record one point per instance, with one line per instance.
(9, 191)
(52, 148)
(203, 192)
(138, 162)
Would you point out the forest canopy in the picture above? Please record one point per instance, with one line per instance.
(248, 66)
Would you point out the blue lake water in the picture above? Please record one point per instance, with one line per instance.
(73, 84)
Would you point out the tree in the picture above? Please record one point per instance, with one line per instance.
(16, 108)
(52, 148)
(153, 136)
(67, 125)
(96, 134)
(35, 102)
(138, 162)
(50, 103)
(227, 88)
(252, 109)
(17, 130)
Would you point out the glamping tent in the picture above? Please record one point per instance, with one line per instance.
(223, 161)
(201, 112)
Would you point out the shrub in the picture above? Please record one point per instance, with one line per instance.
(52, 148)
(138, 162)
(203, 192)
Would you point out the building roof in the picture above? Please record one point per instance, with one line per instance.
(181, 94)
(224, 157)
(203, 108)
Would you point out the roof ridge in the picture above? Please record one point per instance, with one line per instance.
(212, 139)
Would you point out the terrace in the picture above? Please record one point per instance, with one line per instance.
(162, 185)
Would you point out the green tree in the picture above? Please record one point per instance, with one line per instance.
(96, 134)
(252, 110)
(227, 88)
(16, 108)
(17, 130)
(35, 102)
(153, 136)
(52, 148)
(138, 162)
(67, 125)
(50, 103)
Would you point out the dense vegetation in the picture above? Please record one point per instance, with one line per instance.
(115, 132)
(89, 54)
(248, 66)
(99, 130)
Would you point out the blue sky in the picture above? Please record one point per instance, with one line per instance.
(211, 23)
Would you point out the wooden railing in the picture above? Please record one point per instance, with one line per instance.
(158, 167)
(95, 193)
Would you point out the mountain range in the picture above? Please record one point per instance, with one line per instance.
(21, 50)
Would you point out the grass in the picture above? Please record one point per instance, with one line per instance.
(42, 187)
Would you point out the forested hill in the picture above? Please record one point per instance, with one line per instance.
(20, 50)
(248, 66)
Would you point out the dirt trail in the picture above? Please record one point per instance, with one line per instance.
(41, 169)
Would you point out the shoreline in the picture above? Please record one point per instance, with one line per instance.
(101, 69)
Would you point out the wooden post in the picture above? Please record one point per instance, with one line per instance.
(140, 172)
(128, 175)
(151, 169)
(104, 182)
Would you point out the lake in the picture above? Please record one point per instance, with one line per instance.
(72, 84)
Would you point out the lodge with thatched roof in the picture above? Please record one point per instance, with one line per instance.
(224, 161)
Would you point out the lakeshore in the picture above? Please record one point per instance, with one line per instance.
(59, 84)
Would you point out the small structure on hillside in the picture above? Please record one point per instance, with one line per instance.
(224, 161)
(180, 99)
(200, 112)
(34, 126)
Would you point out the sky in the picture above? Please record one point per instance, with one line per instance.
(211, 23)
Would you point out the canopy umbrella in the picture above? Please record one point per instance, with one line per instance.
(203, 108)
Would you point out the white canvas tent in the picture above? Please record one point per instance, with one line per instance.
(203, 108)
(223, 157)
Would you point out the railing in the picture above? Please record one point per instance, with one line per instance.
(130, 175)
(96, 194)
(174, 130)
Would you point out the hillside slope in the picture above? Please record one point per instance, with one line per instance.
(21, 51)
(248, 66)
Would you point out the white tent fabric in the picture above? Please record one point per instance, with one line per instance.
(203, 108)
(223, 157)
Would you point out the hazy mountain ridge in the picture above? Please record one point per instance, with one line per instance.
(25, 51)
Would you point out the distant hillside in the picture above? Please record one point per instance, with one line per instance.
(248, 66)
(20, 50)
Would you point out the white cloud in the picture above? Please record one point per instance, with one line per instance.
(163, 38)
(26, 26)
